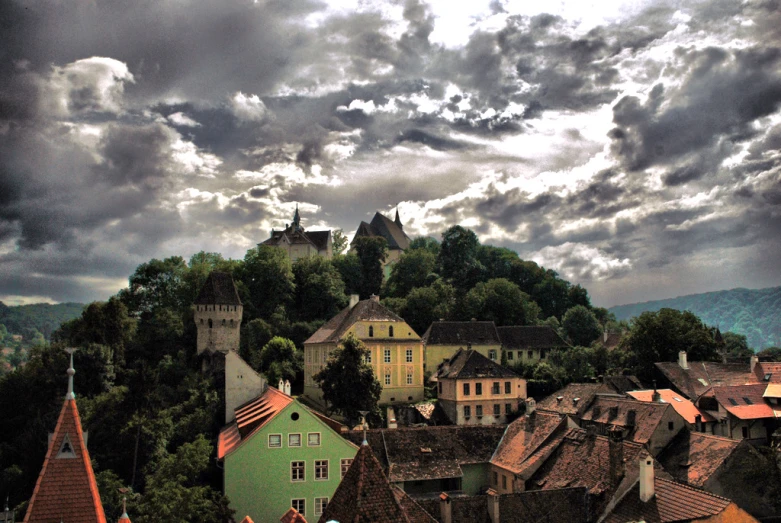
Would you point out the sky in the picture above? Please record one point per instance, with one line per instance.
(633, 147)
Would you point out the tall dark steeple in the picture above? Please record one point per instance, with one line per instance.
(296, 220)
(397, 221)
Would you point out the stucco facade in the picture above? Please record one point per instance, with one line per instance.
(436, 354)
(475, 401)
(242, 384)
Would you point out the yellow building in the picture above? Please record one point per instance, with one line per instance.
(395, 350)
(443, 339)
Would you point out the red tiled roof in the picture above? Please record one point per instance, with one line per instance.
(248, 519)
(364, 310)
(744, 401)
(615, 411)
(466, 364)
(764, 368)
(681, 404)
(124, 519)
(250, 417)
(693, 457)
(702, 375)
(524, 436)
(672, 502)
(66, 487)
(563, 400)
(291, 516)
(365, 494)
(461, 333)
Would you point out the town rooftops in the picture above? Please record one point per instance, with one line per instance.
(680, 403)
(618, 412)
(461, 333)
(523, 437)
(693, 457)
(672, 501)
(622, 384)
(529, 337)
(768, 371)
(218, 289)
(422, 453)
(392, 231)
(700, 376)
(572, 399)
(365, 494)
(745, 401)
(468, 364)
(250, 417)
(364, 310)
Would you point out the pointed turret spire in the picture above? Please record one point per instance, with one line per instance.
(296, 219)
(397, 221)
(124, 518)
(71, 371)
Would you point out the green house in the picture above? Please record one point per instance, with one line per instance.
(278, 454)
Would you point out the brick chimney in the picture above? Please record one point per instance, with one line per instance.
(354, 299)
(754, 361)
(445, 508)
(682, 360)
(493, 505)
(616, 456)
(646, 478)
(531, 405)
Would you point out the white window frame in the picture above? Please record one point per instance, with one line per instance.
(275, 446)
(409, 355)
(387, 379)
(319, 463)
(369, 356)
(293, 468)
(320, 505)
(410, 378)
(386, 356)
(344, 466)
(301, 502)
(289, 444)
(309, 439)
(492, 354)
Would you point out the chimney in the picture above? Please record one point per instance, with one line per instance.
(646, 478)
(698, 422)
(682, 360)
(281, 385)
(604, 336)
(616, 456)
(287, 387)
(754, 361)
(374, 297)
(575, 402)
(354, 298)
(493, 505)
(445, 509)
(531, 405)
(392, 418)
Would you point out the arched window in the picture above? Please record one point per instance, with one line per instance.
(390, 331)
(223, 323)
(210, 323)
(371, 331)
(231, 323)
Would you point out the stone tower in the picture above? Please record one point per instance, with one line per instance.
(218, 313)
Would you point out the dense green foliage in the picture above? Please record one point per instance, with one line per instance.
(39, 317)
(581, 325)
(754, 313)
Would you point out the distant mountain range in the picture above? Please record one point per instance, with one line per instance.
(43, 317)
(756, 313)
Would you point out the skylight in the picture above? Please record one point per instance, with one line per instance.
(702, 381)
(748, 401)
(676, 398)
(732, 400)
(767, 376)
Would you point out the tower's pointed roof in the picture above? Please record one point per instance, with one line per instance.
(297, 218)
(397, 221)
(66, 489)
(219, 289)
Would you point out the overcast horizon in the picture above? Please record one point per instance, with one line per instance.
(633, 147)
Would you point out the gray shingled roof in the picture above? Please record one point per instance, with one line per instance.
(466, 364)
(530, 337)
(219, 289)
(382, 226)
(461, 333)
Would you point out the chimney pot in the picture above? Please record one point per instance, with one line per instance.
(531, 405)
(616, 456)
(682, 360)
(376, 298)
(754, 361)
(646, 478)
(445, 508)
(354, 299)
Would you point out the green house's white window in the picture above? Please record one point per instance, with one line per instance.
(345, 466)
(297, 471)
(320, 504)
(299, 505)
(321, 469)
(275, 441)
(294, 440)
(313, 439)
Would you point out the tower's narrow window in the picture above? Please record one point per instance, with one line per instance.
(210, 323)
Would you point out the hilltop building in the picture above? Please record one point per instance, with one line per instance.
(392, 231)
(443, 339)
(395, 350)
(297, 242)
(218, 311)
(529, 343)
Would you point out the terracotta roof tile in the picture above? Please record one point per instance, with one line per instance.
(218, 289)
(693, 457)
(248, 519)
(365, 494)
(465, 364)
(614, 411)
(364, 310)
(461, 333)
(563, 400)
(250, 417)
(681, 404)
(773, 368)
(66, 487)
(622, 384)
(744, 401)
(530, 337)
(702, 375)
(291, 516)
(523, 437)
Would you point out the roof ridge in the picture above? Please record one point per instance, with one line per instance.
(690, 487)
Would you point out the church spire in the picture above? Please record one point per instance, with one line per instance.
(296, 220)
(397, 221)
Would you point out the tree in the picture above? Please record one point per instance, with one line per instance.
(581, 326)
(279, 359)
(552, 295)
(501, 301)
(770, 354)
(457, 260)
(576, 362)
(428, 304)
(371, 252)
(349, 267)
(268, 275)
(498, 261)
(339, 242)
(319, 289)
(348, 382)
(157, 284)
(426, 243)
(411, 270)
(736, 346)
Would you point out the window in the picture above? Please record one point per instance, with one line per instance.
(439, 388)
(369, 356)
(479, 411)
(504, 481)
(387, 378)
(313, 439)
(371, 331)
(409, 378)
(275, 441)
(670, 425)
(294, 440)
(478, 389)
(732, 401)
(467, 411)
(299, 505)
(495, 388)
(297, 469)
(748, 400)
(345, 466)
(510, 355)
(542, 354)
(409, 356)
(386, 356)
(492, 354)
(321, 469)
(530, 355)
(466, 389)
(390, 331)
(223, 322)
(496, 478)
(497, 410)
(508, 408)
(320, 504)
(210, 323)
(745, 432)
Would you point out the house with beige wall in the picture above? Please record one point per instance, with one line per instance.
(444, 338)
(297, 242)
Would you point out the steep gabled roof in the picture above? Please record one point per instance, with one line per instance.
(572, 399)
(693, 457)
(291, 516)
(364, 310)
(681, 404)
(768, 368)
(218, 289)
(250, 417)
(66, 487)
(615, 411)
(523, 437)
(622, 384)
(381, 226)
(745, 401)
(365, 494)
(702, 375)
(461, 333)
(672, 502)
(468, 364)
(530, 337)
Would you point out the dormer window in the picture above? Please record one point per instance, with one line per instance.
(767, 377)
(390, 331)
(371, 331)
(66, 449)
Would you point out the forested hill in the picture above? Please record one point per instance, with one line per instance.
(42, 317)
(755, 313)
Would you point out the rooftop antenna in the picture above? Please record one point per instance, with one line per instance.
(363, 414)
(71, 371)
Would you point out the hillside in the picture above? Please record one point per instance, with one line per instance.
(43, 317)
(756, 313)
